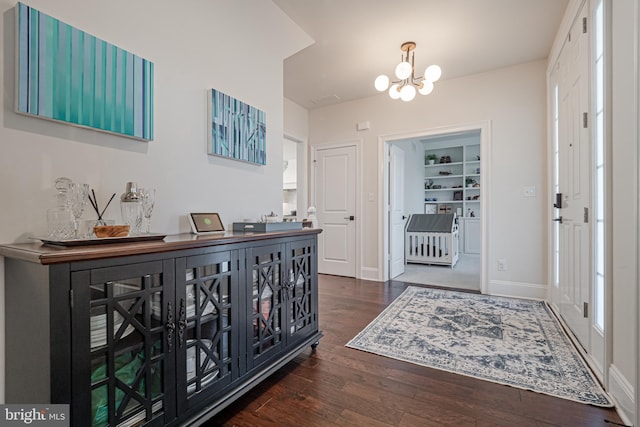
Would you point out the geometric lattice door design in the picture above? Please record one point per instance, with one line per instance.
(266, 301)
(154, 342)
(206, 324)
(301, 305)
(129, 345)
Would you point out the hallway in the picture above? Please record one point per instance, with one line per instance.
(338, 386)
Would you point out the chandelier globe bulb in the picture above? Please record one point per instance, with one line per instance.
(432, 73)
(394, 91)
(407, 93)
(403, 70)
(426, 89)
(382, 83)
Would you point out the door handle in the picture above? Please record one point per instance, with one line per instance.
(558, 220)
(182, 323)
(171, 326)
(404, 217)
(350, 218)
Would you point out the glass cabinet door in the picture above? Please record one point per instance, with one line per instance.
(301, 302)
(207, 303)
(265, 268)
(123, 345)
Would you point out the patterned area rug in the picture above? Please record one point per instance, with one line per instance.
(505, 340)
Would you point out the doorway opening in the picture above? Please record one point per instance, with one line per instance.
(456, 183)
(294, 181)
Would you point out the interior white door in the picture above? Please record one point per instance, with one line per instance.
(396, 211)
(335, 195)
(574, 178)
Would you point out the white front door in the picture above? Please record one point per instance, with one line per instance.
(574, 178)
(396, 211)
(335, 195)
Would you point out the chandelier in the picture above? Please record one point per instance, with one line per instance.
(408, 84)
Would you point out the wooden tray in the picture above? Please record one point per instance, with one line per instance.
(102, 240)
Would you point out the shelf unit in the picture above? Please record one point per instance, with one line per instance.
(446, 180)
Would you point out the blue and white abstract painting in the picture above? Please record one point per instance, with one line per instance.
(67, 75)
(237, 130)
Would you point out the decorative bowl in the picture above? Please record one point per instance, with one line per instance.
(111, 230)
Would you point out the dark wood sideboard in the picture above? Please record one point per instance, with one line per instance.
(156, 333)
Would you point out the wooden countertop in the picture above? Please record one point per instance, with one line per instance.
(51, 254)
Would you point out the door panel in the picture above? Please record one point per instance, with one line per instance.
(207, 289)
(335, 207)
(121, 348)
(574, 183)
(336, 242)
(472, 236)
(396, 210)
(301, 301)
(265, 297)
(335, 172)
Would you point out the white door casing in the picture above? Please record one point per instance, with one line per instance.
(335, 198)
(485, 182)
(396, 211)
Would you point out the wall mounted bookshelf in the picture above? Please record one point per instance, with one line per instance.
(452, 181)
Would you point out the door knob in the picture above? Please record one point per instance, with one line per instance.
(558, 220)
(404, 217)
(350, 218)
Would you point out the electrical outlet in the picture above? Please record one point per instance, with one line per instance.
(502, 264)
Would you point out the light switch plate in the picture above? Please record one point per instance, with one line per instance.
(529, 191)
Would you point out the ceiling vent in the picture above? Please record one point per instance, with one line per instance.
(325, 99)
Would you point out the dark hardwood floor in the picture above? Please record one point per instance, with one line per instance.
(338, 386)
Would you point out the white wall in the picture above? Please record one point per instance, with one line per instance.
(237, 47)
(513, 99)
(625, 201)
(296, 120)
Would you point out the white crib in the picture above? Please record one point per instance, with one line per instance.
(432, 239)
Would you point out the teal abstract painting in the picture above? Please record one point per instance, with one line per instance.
(67, 75)
(237, 130)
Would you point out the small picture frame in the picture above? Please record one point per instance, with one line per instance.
(457, 195)
(431, 208)
(205, 223)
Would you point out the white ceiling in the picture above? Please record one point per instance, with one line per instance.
(357, 40)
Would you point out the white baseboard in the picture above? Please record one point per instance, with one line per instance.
(621, 391)
(517, 289)
(369, 273)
